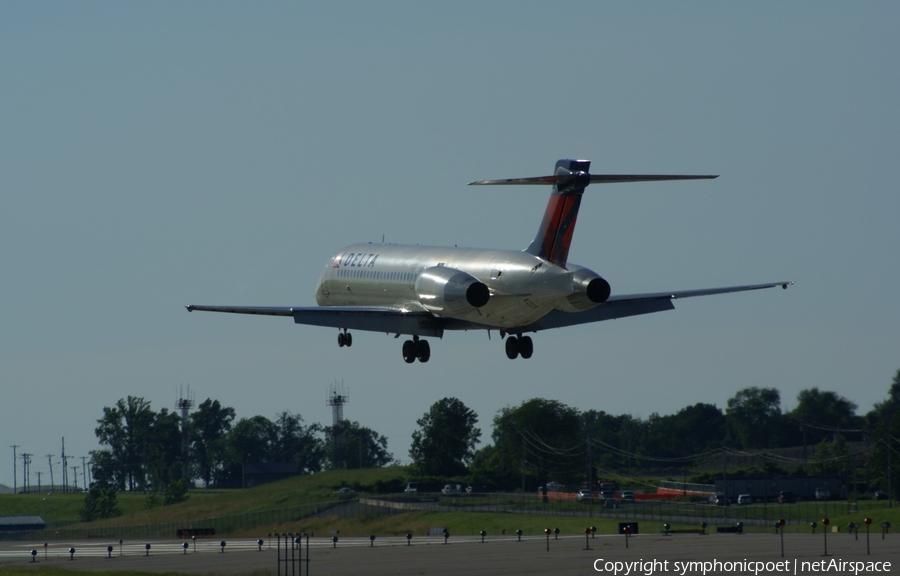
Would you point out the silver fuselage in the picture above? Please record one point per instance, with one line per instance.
(523, 287)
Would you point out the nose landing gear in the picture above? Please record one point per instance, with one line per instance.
(519, 346)
(416, 349)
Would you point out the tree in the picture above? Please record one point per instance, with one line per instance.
(210, 426)
(104, 468)
(298, 443)
(176, 492)
(137, 437)
(754, 415)
(362, 447)
(830, 457)
(620, 433)
(691, 430)
(445, 442)
(545, 435)
(258, 439)
(885, 466)
(883, 412)
(253, 440)
(823, 413)
(100, 502)
(163, 450)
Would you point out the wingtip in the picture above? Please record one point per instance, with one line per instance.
(189, 307)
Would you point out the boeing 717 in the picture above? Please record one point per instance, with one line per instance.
(424, 291)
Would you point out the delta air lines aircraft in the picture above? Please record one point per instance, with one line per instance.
(423, 291)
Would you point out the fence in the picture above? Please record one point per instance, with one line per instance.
(671, 511)
(280, 519)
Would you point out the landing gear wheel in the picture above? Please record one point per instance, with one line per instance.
(409, 352)
(348, 339)
(526, 347)
(423, 350)
(341, 342)
(512, 347)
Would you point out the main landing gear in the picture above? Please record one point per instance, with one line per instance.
(345, 339)
(519, 346)
(416, 349)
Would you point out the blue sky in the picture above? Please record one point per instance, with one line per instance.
(159, 154)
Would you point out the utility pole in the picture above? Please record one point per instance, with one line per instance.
(725, 479)
(523, 466)
(14, 446)
(589, 427)
(803, 431)
(590, 476)
(890, 494)
(75, 474)
(39, 481)
(84, 472)
(50, 462)
(65, 463)
(25, 461)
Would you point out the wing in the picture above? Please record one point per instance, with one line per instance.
(625, 305)
(375, 318)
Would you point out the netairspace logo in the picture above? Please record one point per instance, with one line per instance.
(683, 568)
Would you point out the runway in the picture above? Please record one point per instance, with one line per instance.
(468, 555)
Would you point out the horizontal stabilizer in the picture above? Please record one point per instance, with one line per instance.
(594, 179)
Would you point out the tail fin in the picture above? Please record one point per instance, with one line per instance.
(569, 181)
(555, 234)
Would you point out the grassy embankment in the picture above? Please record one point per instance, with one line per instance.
(319, 488)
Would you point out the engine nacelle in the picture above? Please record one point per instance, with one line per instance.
(588, 290)
(450, 291)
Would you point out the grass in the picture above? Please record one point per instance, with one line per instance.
(60, 507)
(313, 488)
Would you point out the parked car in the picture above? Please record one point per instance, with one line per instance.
(607, 495)
(880, 495)
(823, 494)
(628, 495)
(744, 499)
(451, 490)
(786, 497)
(720, 499)
(412, 487)
(584, 495)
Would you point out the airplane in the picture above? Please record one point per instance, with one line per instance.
(424, 291)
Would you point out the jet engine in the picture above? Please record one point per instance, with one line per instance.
(588, 290)
(449, 291)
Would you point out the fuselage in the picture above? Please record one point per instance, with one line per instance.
(523, 287)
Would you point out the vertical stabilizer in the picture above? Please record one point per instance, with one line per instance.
(555, 234)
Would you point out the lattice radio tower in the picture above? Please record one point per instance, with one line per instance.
(185, 403)
(337, 397)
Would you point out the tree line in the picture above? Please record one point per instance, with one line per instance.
(544, 440)
(142, 448)
(538, 441)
